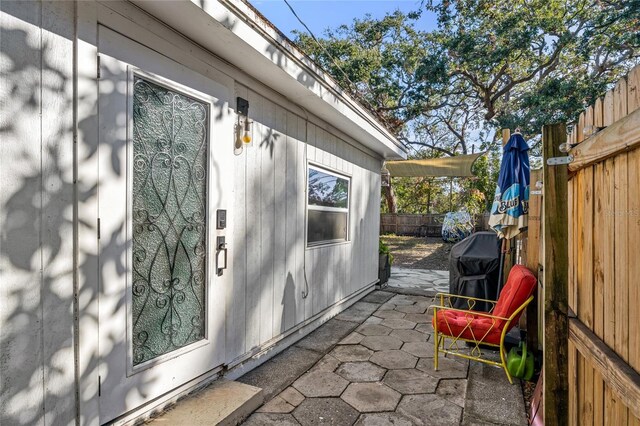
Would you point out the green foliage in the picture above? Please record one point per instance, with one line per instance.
(489, 64)
(384, 249)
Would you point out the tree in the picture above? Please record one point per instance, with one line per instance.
(536, 61)
(489, 64)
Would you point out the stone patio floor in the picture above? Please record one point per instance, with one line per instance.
(373, 365)
(426, 282)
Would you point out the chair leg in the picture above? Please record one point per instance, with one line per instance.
(435, 351)
(504, 363)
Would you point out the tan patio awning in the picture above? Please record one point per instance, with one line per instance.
(458, 166)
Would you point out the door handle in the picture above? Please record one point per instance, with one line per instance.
(221, 251)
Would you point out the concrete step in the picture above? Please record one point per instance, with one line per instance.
(223, 403)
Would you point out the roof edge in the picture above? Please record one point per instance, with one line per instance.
(270, 57)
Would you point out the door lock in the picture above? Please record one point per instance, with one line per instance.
(221, 255)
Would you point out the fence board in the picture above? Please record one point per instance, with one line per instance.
(604, 239)
(599, 255)
(573, 384)
(633, 217)
(621, 257)
(623, 135)
(580, 128)
(633, 90)
(607, 107)
(620, 100)
(623, 380)
(598, 113)
(422, 224)
(608, 251)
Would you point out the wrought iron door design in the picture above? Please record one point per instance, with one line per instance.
(169, 204)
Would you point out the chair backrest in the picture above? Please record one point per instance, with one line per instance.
(519, 287)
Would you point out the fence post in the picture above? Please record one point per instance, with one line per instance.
(532, 260)
(556, 279)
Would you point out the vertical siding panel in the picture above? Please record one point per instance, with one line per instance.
(375, 227)
(280, 249)
(253, 229)
(236, 300)
(332, 151)
(358, 246)
(57, 186)
(309, 260)
(21, 362)
(340, 155)
(300, 244)
(311, 142)
(292, 285)
(267, 219)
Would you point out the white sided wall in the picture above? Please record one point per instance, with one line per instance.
(43, 211)
(270, 256)
(36, 213)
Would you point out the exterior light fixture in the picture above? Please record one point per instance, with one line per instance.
(385, 176)
(246, 134)
(244, 123)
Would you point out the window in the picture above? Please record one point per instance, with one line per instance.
(170, 137)
(327, 207)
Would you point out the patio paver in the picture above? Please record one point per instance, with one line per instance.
(381, 374)
(410, 335)
(383, 419)
(394, 359)
(373, 330)
(419, 349)
(410, 381)
(430, 409)
(380, 343)
(398, 324)
(371, 397)
(320, 383)
(348, 353)
(388, 313)
(325, 411)
(361, 372)
(352, 339)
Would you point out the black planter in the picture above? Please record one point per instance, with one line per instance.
(384, 268)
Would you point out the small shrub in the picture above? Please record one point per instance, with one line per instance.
(384, 249)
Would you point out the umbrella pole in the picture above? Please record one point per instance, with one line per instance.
(451, 194)
(501, 265)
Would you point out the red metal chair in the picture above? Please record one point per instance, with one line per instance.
(481, 328)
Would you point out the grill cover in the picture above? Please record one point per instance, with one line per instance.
(474, 268)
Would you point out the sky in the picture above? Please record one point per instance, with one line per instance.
(322, 14)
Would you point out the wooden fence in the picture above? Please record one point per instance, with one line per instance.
(422, 225)
(604, 260)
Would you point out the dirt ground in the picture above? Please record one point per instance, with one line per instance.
(419, 252)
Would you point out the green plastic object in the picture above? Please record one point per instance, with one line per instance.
(520, 362)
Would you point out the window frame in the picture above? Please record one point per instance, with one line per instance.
(324, 169)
